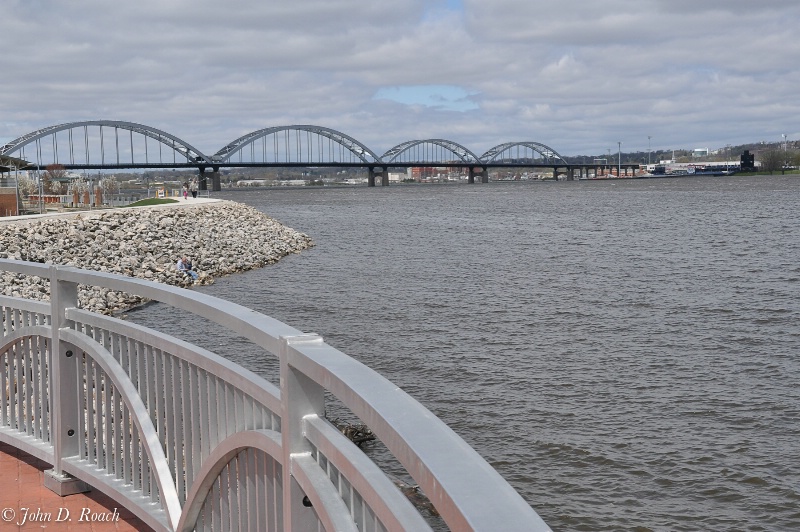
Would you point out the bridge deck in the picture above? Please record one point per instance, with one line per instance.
(22, 478)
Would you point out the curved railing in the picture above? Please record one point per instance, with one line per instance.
(188, 440)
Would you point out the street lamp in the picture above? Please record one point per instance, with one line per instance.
(784, 151)
(619, 162)
(648, 149)
(727, 157)
(41, 188)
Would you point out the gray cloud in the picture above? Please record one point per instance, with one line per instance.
(577, 75)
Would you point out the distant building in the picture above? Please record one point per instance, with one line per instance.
(747, 161)
(700, 152)
(9, 193)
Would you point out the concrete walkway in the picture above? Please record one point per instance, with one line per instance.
(25, 504)
(191, 202)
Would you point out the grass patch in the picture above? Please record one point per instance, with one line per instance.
(152, 201)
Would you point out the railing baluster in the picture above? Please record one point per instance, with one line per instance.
(84, 403)
(179, 435)
(39, 410)
(208, 512)
(98, 417)
(141, 382)
(203, 402)
(46, 383)
(150, 370)
(131, 351)
(188, 427)
(16, 421)
(126, 444)
(216, 510)
(260, 496)
(108, 447)
(136, 466)
(169, 411)
(194, 458)
(91, 448)
(4, 385)
(225, 497)
(230, 410)
(213, 431)
(117, 406)
(251, 512)
(160, 391)
(26, 382)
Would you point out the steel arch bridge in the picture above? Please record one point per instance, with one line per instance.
(532, 152)
(305, 144)
(86, 146)
(113, 145)
(431, 151)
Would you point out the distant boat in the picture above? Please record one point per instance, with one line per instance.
(690, 171)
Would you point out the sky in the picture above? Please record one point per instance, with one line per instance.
(577, 75)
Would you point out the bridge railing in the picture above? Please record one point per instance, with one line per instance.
(188, 440)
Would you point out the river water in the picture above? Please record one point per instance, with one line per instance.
(625, 353)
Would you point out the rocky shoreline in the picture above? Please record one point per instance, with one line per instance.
(221, 238)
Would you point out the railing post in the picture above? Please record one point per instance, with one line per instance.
(64, 389)
(300, 397)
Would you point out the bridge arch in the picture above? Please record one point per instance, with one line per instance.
(511, 150)
(297, 144)
(48, 152)
(429, 151)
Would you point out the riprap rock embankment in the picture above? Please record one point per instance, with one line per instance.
(220, 238)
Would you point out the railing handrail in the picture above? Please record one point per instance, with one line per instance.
(464, 488)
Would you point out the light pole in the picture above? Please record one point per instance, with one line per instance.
(648, 150)
(619, 161)
(41, 188)
(727, 157)
(784, 152)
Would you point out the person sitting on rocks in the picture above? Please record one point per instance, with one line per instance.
(185, 266)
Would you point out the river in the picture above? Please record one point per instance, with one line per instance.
(624, 353)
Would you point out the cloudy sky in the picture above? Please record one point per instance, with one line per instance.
(577, 75)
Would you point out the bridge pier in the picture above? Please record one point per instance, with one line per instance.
(482, 171)
(202, 182)
(383, 173)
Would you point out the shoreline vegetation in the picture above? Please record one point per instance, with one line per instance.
(220, 238)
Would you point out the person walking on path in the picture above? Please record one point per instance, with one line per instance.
(193, 188)
(186, 191)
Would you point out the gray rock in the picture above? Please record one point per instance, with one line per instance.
(221, 238)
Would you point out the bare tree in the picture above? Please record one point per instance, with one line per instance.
(53, 173)
(795, 158)
(79, 185)
(110, 185)
(772, 160)
(26, 185)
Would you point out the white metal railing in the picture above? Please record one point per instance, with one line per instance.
(188, 440)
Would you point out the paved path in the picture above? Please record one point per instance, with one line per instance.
(71, 214)
(22, 487)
